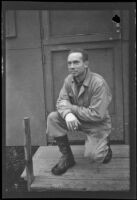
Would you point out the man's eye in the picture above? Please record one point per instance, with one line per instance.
(76, 62)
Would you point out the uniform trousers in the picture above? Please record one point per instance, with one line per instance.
(96, 144)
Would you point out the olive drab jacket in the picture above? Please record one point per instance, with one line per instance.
(90, 104)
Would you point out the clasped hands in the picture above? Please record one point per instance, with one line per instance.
(71, 120)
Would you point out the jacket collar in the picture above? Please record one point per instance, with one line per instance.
(85, 83)
(86, 80)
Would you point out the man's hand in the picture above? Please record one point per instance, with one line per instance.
(72, 122)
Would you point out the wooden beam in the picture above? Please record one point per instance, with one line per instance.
(11, 24)
(28, 155)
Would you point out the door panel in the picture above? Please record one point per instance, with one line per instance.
(104, 56)
(79, 22)
(78, 26)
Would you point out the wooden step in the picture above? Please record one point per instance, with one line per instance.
(84, 176)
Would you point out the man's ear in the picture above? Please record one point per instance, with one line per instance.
(86, 64)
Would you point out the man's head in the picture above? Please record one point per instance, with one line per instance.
(77, 62)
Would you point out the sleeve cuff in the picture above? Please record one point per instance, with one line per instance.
(65, 113)
(74, 109)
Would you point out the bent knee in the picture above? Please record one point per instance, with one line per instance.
(52, 116)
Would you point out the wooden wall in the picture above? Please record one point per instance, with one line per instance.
(24, 79)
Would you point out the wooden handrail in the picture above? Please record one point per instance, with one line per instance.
(28, 154)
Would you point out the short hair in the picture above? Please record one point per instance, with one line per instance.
(82, 51)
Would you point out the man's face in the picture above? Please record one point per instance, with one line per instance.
(76, 65)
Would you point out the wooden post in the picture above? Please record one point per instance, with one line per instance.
(28, 155)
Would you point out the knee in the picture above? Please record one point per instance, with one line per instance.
(53, 116)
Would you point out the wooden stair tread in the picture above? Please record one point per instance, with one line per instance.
(84, 175)
(78, 150)
(41, 184)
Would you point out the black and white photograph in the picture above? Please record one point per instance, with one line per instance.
(68, 99)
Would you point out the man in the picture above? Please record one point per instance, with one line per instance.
(82, 105)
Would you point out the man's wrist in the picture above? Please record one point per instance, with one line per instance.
(66, 113)
(74, 108)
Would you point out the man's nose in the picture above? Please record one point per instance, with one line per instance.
(72, 66)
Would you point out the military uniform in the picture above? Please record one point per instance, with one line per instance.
(90, 101)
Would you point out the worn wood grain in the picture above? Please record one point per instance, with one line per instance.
(84, 175)
(28, 155)
(115, 164)
(84, 171)
(40, 184)
(78, 150)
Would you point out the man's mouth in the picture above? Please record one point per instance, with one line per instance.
(73, 72)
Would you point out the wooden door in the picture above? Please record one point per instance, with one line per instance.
(95, 32)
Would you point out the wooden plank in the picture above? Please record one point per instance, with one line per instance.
(118, 166)
(46, 25)
(85, 169)
(43, 166)
(42, 184)
(95, 174)
(125, 25)
(48, 84)
(90, 174)
(10, 23)
(82, 39)
(49, 155)
(78, 151)
(87, 174)
(84, 176)
(118, 98)
(28, 155)
(125, 60)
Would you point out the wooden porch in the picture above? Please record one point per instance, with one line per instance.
(84, 176)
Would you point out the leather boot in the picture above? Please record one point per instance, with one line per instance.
(109, 154)
(67, 159)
